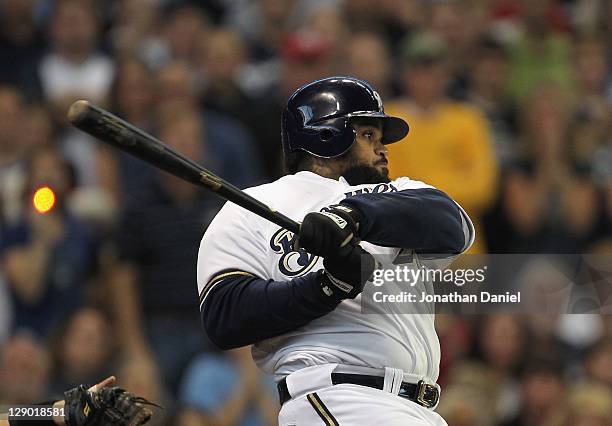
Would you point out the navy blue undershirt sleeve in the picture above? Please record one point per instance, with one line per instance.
(242, 310)
(425, 220)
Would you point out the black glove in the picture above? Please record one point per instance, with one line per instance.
(346, 212)
(325, 233)
(107, 406)
(346, 273)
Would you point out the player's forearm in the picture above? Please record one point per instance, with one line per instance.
(241, 310)
(425, 220)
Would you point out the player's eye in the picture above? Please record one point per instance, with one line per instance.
(368, 134)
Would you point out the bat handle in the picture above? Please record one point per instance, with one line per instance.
(288, 224)
(262, 210)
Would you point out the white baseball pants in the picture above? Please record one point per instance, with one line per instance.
(317, 402)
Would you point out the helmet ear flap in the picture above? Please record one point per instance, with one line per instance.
(326, 139)
(333, 137)
(326, 135)
(288, 126)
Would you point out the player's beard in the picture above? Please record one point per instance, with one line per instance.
(358, 174)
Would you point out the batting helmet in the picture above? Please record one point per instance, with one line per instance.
(316, 118)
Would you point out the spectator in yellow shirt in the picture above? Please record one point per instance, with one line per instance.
(449, 145)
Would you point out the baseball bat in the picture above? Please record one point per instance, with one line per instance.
(119, 133)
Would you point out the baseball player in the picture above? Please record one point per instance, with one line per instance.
(298, 299)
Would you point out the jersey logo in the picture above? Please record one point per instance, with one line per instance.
(292, 263)
(378, 189)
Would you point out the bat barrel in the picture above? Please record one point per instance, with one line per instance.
(122, 135)
(119, 133)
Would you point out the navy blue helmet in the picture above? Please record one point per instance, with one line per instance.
(317, 116)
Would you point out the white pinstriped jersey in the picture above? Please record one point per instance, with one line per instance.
(238, 240)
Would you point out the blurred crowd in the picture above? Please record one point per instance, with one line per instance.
(509, 103)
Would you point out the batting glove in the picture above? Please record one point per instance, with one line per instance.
(326, 232)
(346, 273)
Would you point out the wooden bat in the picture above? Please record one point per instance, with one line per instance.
(122, 135)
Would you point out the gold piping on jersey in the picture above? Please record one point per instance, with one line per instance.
(218, 278)
(321, 409)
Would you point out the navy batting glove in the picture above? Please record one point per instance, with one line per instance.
(325, 233)
(347, 213)
(345, 274)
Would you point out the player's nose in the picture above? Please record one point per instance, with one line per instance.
(380, 149)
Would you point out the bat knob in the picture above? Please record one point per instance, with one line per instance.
(78, 111)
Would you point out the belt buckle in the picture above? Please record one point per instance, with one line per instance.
(427, 395)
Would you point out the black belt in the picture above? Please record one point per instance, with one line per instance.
(422, 393)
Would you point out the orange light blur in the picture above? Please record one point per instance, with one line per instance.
(43, 200)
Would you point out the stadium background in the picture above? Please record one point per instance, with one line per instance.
(509, 103)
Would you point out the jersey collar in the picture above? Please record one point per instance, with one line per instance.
(311, 175)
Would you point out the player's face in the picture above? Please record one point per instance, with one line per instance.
(366, 161)
(369, 148)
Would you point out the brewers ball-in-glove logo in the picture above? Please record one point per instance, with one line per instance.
(292, 263)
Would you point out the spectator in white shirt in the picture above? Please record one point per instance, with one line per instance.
(73, 67)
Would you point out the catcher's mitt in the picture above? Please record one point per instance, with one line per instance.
(107, 406)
